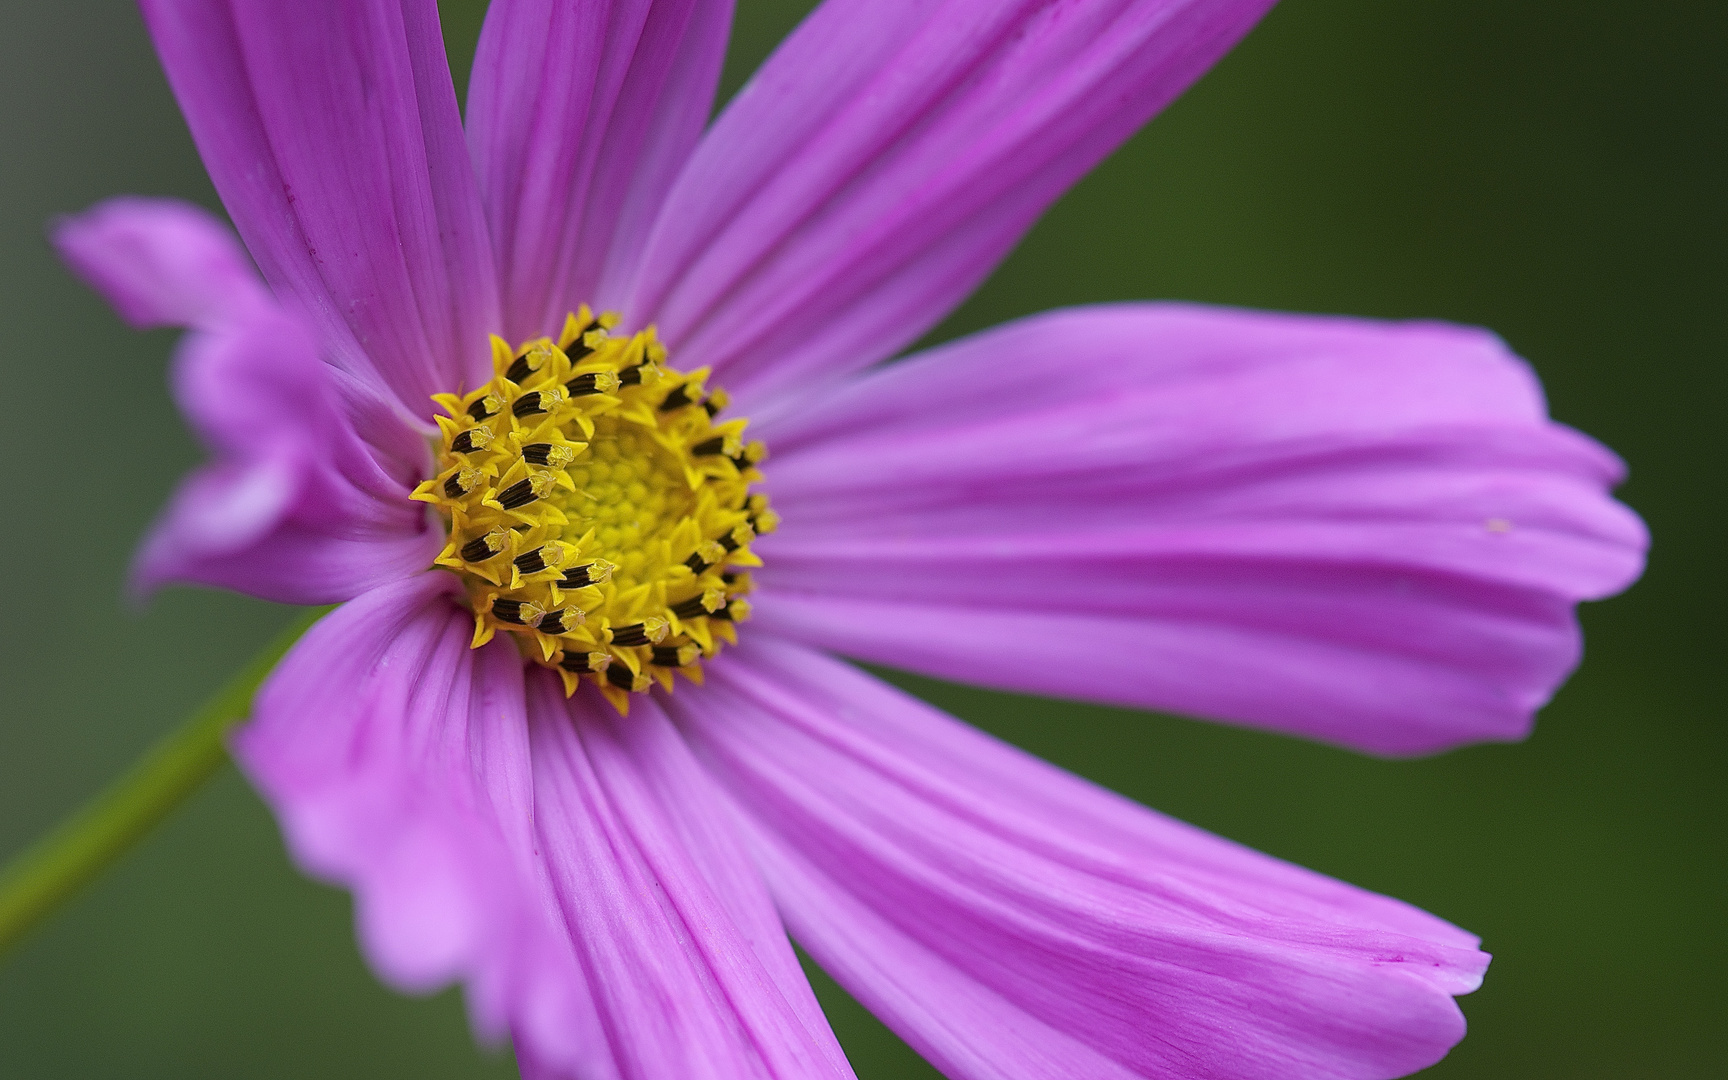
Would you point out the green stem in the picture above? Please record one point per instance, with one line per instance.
(46, 874)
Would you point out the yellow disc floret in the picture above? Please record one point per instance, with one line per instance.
(597, 510)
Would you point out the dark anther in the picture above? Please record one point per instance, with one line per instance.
(583, 385)
(729, 577)
(509, 611)
(521, 369)
(578, 576)
(581, 663)
(530, 404)
(622, 677)
(556, 622)
(478, 550)
(669, 656)
(486, 406)
(737, 538)
(464, 443)
(535, 453)
(677, 399)
(691, 608)
(724, 614)
(531, 562)
(453, 486)
(697, 563)
(711, 406)
(752, 454)
(578, 349)
(631, 376)
(634, 634)
(521, 493)
(708, 447)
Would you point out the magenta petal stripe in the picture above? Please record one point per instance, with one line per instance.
(1014, 922)
(886, 157)
(577, 871)
(160, 262)
(579, 117)
(293, 507)
(1362, 532)
(682, 951)
(396, 759)
(331, 130)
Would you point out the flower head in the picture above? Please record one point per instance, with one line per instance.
(490, 395)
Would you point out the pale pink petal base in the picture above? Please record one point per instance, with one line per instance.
(294, 507)
(575, 870)
(1367, 533)
(688, 965)
(1013, 922)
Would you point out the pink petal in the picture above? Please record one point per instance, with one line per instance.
(1361, 532)
(331, 130)
(295, 507)
(1012, 921)
(160, 262)
(885, 159)
(684, 954)
(579, 117)
(386, 748)
(577, 872)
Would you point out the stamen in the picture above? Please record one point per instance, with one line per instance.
(739, 536)
(523, 492)
(736, 611)
(625, 679)
(579, 349)
(706, 555)
(584, 663)
(595, 382)
(519, 612)
(536, 402)
(550, 454)
(674, 655)
(482, 548)
(471, 441)
(528, 363)
(696, 606)
(462, 482)
(561, 621)
(490, 405)
(593, 573)
(568, 515)
(719, 444)
(678, 398)
(649, 631)
(541, 558)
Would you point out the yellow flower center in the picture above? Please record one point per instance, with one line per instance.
(596, 509)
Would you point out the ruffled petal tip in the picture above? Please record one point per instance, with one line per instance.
(1012, 922)
(1366, 533)
(294, 507)
(578, 872)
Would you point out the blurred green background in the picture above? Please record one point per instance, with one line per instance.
(1554, 170)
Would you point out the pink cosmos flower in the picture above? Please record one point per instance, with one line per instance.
(1361, 532)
